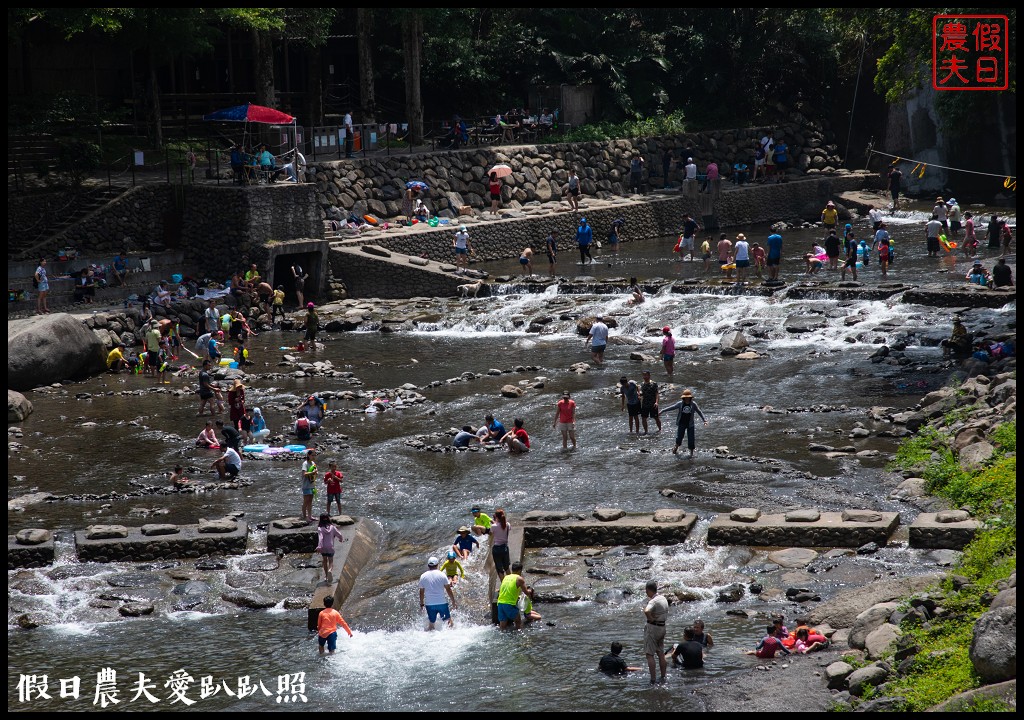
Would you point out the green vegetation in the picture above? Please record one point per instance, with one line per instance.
(671, 124)
(942, 667)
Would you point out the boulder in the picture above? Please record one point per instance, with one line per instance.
(1005, 598)
(952, 516)
(105, 532)
(608, 514)
(993, 649)
(973, 457)
(223, 525)
(511, 391)
(745, 515)
(860, 679)
(867, 621)
(880, 640)
(836, 674)
(793, 557)
(734, 339)
(33, 536)
(669, 516)
(861, 516)
(289, 523)
(804, 323)
(803, 516)
(18, 407)
(136, 609)
(730, 593)
(247, 599)
(159, 529)
(51, 348)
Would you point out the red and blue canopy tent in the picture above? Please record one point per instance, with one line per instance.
(250, 113)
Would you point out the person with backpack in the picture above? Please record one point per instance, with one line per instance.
(310, 416)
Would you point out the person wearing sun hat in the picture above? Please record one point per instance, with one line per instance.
(433, 586)
(686, 408)
(463, 247)
(941, 211)
(830, 217)
(955, 217)
(464, 542)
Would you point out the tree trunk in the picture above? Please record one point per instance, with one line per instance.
(367, 93)
(315, 96)
(154, 101)
(412, 44)
(264, 46)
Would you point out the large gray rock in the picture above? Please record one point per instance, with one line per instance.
(106, 532)
(18, 407)
(860, 679)
(994, 645)
(881, 639)
(975, 456)
(51, 348)
(842, 611)
(745, 515)
(734, 340)
(608, 514)
(793, 557)
(836, 674)
(33, 536)
(867, 621)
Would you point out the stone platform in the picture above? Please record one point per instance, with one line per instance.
(30, 548)
(117, 543)
(803, 528)
(292, 535)
(948, 530)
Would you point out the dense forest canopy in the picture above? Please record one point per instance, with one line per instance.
(715, 66)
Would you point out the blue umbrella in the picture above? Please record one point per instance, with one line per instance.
(417, 184)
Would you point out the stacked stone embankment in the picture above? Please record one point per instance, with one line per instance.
(459, 179)
(803, 528)
(117, 543)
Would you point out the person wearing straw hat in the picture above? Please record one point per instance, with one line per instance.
(236, 402)
(687, 408)
(464, 542)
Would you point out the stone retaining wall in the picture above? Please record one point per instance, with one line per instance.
(630, 530)
(459, 178)
(651, 217)
(927, 532)
(187, 542)
(21, 554)
(830, 530)
(291, 535)
(374, 276)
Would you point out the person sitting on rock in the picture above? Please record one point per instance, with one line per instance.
(959, 342)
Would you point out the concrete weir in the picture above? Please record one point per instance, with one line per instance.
(117, 543)
(606, 527)
(803, 528)
(30, 548)
(948, 530)
(362, 542)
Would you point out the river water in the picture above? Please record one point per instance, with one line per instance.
(811, 387)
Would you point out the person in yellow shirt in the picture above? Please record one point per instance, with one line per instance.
(830, 217)
(481, 522)
(452, 568)
(327, 623)
(508, 598)
(116, 361)
(278, 306)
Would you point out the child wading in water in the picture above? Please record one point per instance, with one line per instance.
(325, 533)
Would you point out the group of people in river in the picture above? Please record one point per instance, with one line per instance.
(692, 650)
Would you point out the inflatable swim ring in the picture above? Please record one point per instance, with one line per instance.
(730, 266)
(224, 362)
(295, 448)
(258, 447)
(371, 220)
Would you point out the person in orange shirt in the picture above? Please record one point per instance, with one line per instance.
(327, 623)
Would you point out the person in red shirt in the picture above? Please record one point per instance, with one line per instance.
(769, 645)
(333, 480)
(327, 623)
(516, 439)
(565, 420)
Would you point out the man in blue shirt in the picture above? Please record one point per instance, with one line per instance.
(495, 430)
(774, 256)
(584, 237)
(120, 268)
